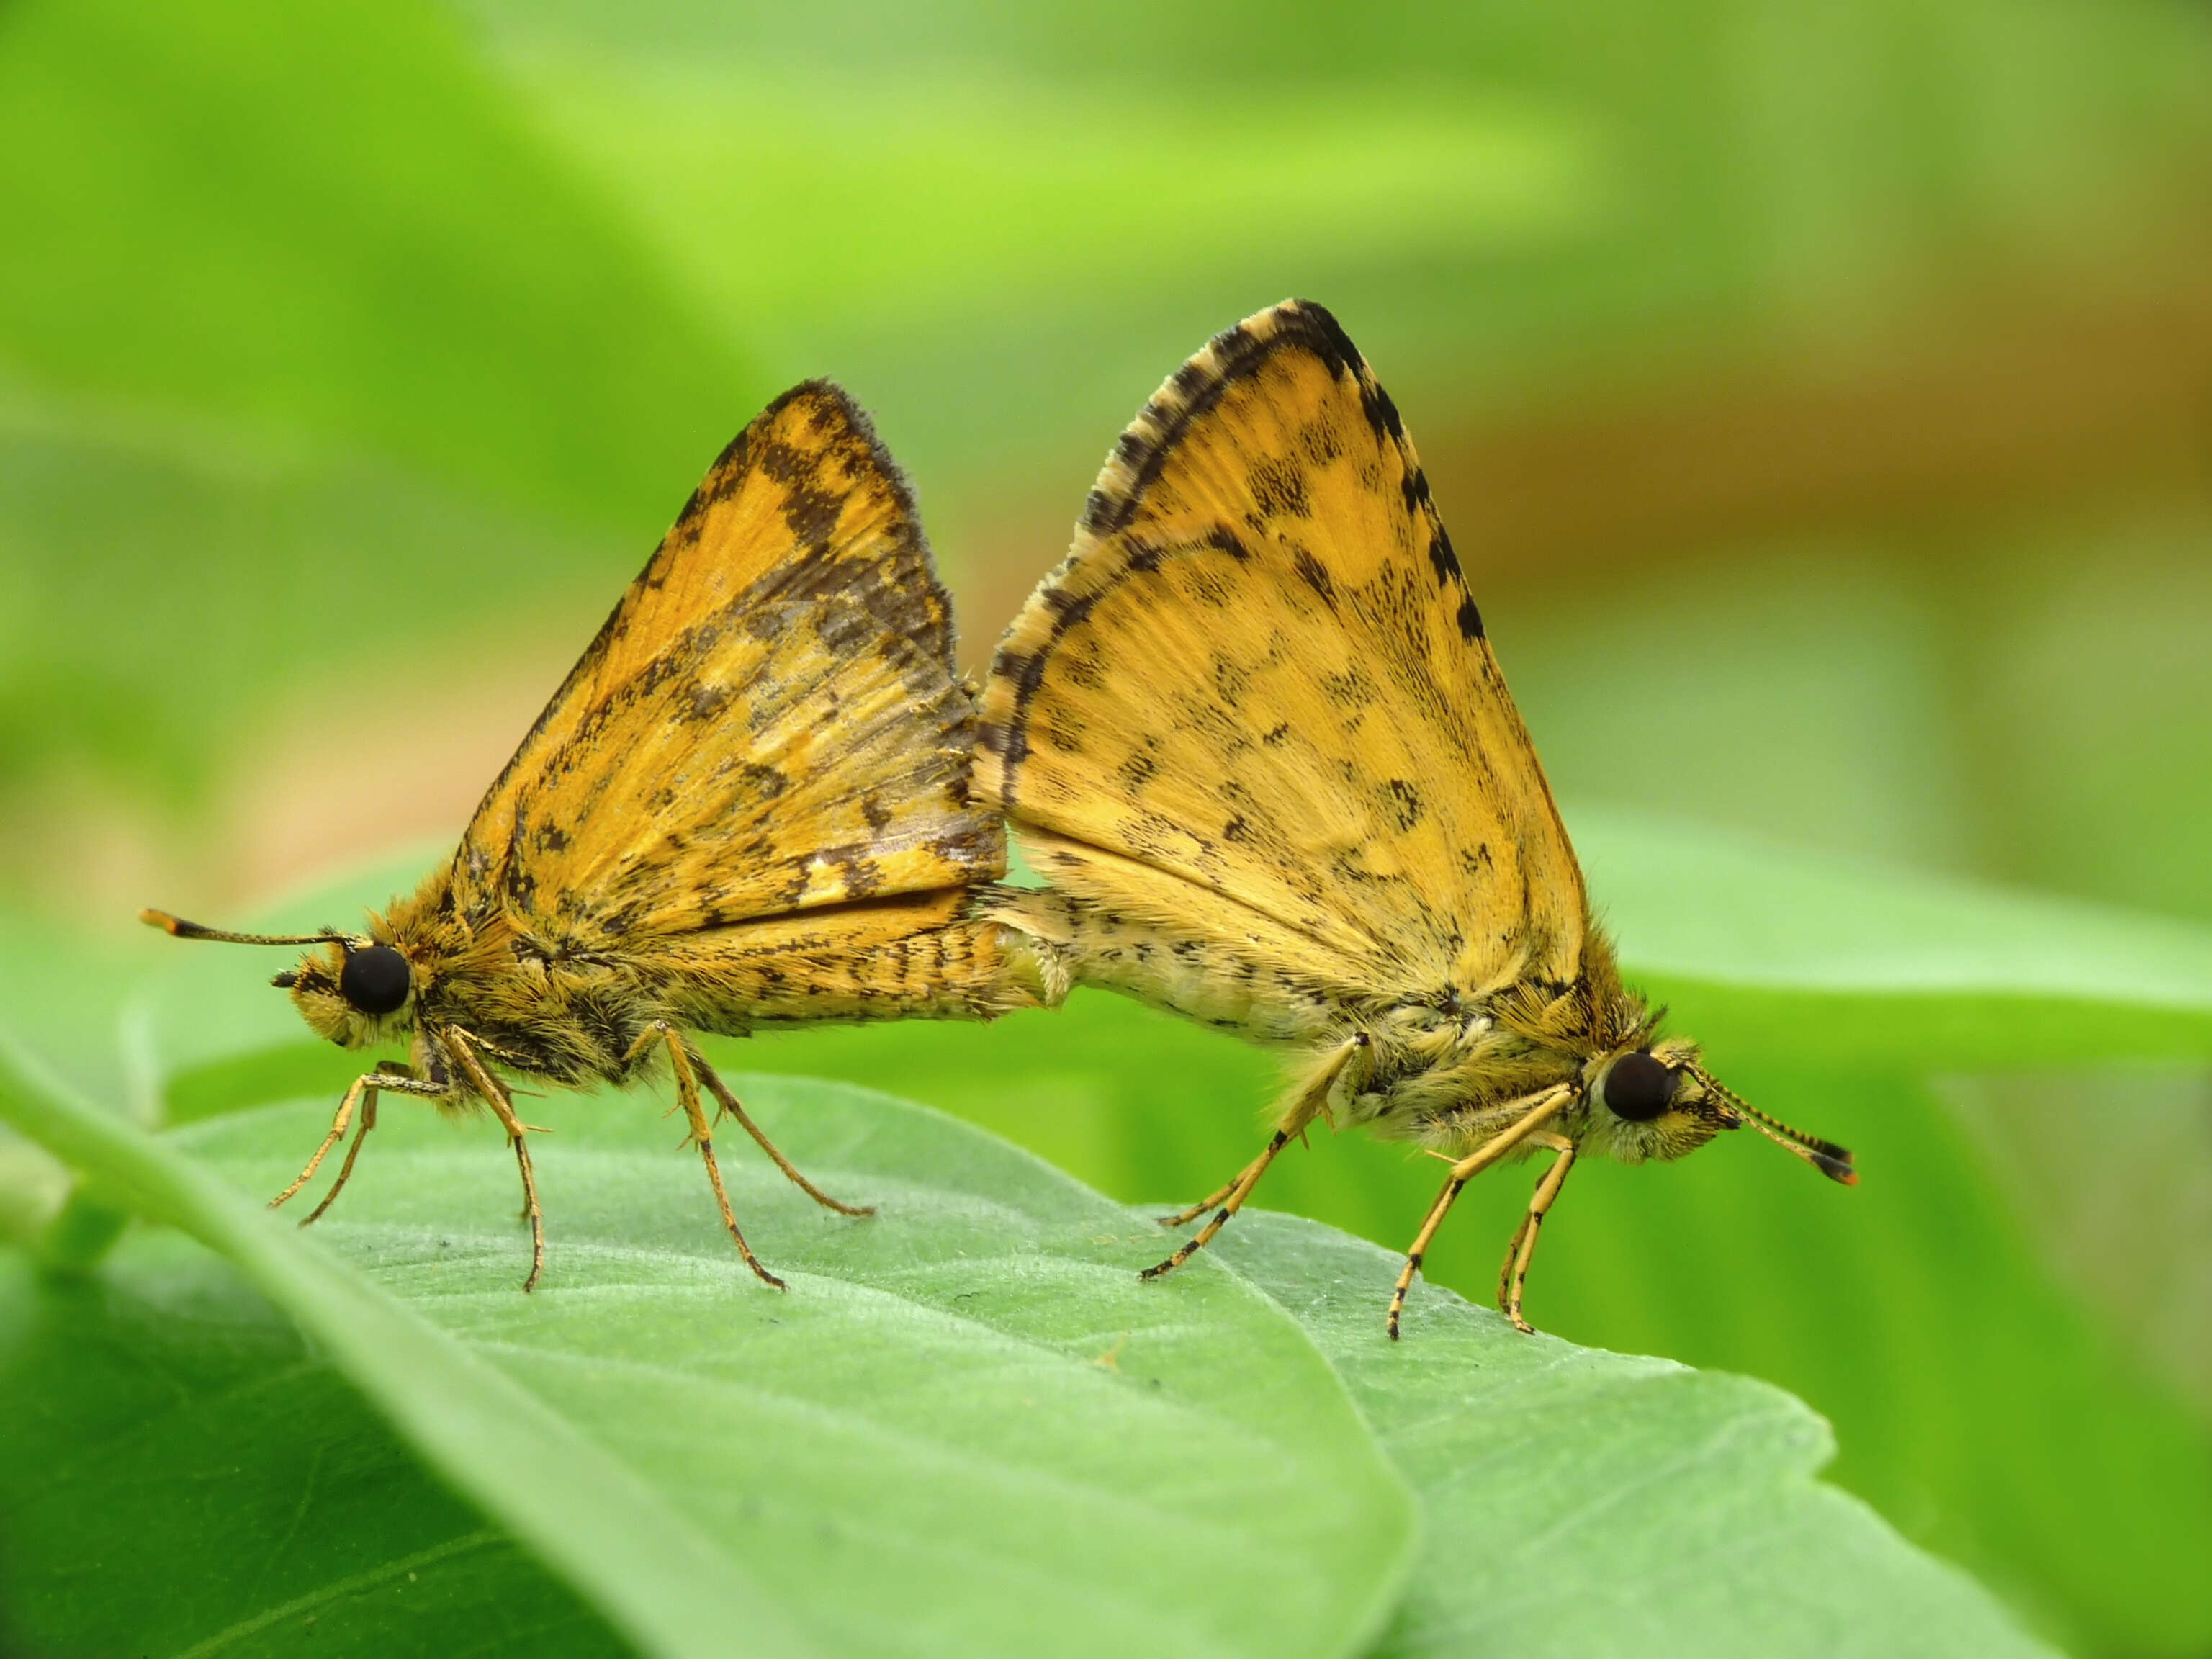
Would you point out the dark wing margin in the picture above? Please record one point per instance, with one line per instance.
(1062, 601)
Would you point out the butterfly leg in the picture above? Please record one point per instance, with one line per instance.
(353, 1152)
(686, 1066)
(1462, 1172)
(496, 1095)
(730, 1103)
(1305, 1106)
(1514, 1274)
(1184, 1218)
(1557, 1144)
(362, 1097)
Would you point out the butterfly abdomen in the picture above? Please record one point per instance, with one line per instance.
(725, 982)
(1196, 974)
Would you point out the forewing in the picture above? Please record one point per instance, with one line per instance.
(770, 721)
(1259, 673)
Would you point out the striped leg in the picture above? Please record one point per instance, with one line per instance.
(728, 1103)
(1311, 1099)
(702, 1133)
(361, 1096)
(462, 1046)
(1462, 1172)
(1521, 1250)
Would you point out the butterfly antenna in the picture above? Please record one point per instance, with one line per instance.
(178, 927)
(1830, 1159)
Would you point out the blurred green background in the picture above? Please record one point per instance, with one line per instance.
(1820, 397)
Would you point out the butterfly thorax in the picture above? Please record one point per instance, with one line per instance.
(1449, 1072)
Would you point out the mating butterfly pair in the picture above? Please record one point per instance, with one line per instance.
(1251, 732)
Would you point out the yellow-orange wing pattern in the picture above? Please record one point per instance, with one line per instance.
(1253, 718)
(770, 722)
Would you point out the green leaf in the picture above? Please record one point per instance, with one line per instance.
(1582, 1502)
(644, 1565)
(1820, 958)
(326, 222)
(968, 1422)
(1883, 1306)
(164, 1415)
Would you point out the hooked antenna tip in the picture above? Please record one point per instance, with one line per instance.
(1835, 1169)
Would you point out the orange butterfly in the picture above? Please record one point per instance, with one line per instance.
(749, 804)
(1253, 732)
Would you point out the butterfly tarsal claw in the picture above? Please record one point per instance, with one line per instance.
(1184, 1218)
(1238, 1191)
(463, 1048)
(345, 1169)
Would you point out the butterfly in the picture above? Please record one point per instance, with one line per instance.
(1252, 734)
(749, 804)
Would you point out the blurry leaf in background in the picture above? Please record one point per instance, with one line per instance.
(1588, 192)
(1788, 691)
(2089, 678)
(323, 223)
(152, 598)
(2110, 1173)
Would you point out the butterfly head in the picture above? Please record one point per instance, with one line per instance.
(1648, 1102)
(1658, 1101)
(351, 989)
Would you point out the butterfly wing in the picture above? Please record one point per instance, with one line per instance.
(1255, 708)
(770, 722)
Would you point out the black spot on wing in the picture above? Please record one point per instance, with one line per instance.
(1382, 414)
(1442, 560)
(1142, 453)
(1278, 484)
(1311, 573)
(705, 704)
(1137, 771)
(1403, 802)
(1352, 689)
(976, 848)
(1222, 540)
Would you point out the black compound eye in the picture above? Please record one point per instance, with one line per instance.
(1637, 1087)
(374, 979)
